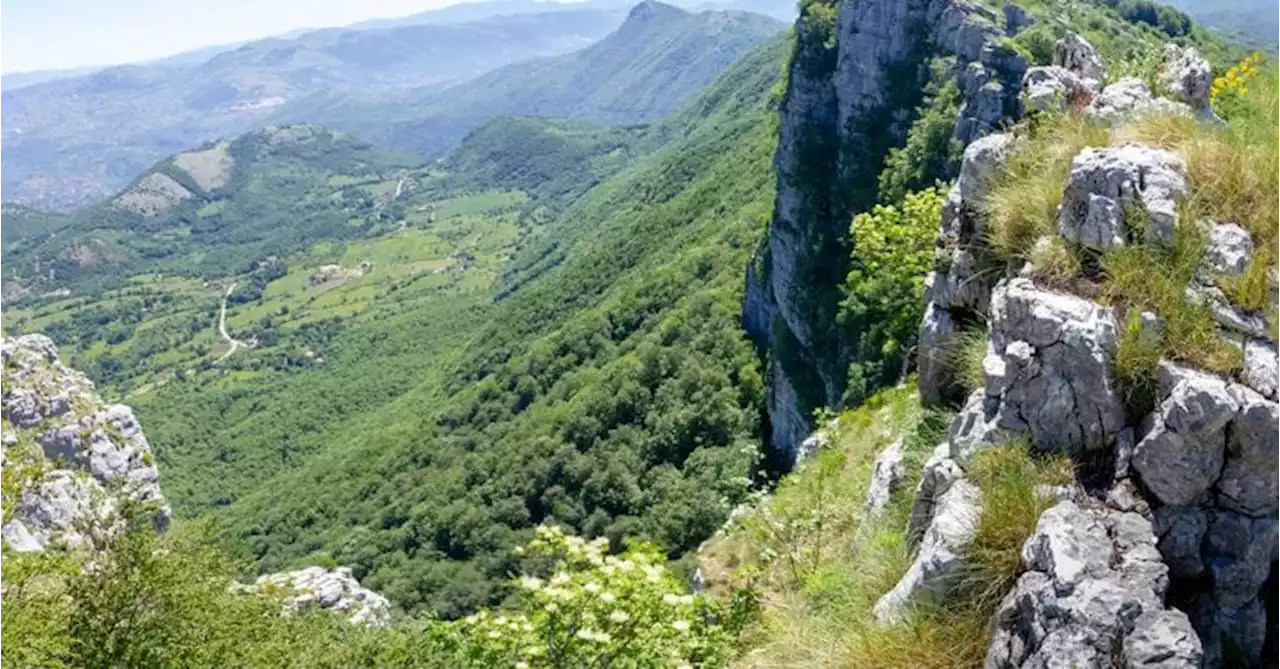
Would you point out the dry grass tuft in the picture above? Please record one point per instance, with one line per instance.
(1023, 204)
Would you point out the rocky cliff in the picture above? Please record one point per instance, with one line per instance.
(72, 463)
(1165, 552)
(855, 84)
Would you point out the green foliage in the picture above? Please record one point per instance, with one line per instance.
(930, 153)
(884, 292)
(595, 609)
(167, 601)
(1169, 20)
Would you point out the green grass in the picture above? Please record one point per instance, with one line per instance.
(821, 566)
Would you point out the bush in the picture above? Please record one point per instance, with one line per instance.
(884, 290)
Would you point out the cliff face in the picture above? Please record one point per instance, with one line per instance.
(1165, 552)
(854, 85)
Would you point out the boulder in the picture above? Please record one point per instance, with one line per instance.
(939, 564)
(1107, 184)
(1075, 54)
(1183, 453)
(1186, 76)
(1248, 483)
(1130, 97)
(1261, 367)
(1093, 588)
(1054, 370)
(1230, 249)
(1054, 87)
(887, 474)
(1181, 530)
(983, 160)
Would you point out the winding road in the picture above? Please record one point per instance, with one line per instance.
(233, 343)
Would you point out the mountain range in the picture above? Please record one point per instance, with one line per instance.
(648, 67)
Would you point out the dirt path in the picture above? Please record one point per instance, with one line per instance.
(234, 344)
(399, 188)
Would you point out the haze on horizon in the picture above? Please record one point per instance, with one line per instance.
(37, 35)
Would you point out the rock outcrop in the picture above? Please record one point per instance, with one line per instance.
(75, 454)
(333, 590)
(1092, 595)
(847, 103)
(1165, 555)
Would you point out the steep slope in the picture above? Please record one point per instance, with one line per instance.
(72, 141)
(881, 97)
(614, 394)
(657, 59)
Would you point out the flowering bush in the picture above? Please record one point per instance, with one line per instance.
(592, 609)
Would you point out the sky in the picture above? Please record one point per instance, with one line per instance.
(58, 34)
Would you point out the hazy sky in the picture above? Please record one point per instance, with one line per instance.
(55, 34)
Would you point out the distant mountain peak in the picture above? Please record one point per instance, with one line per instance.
(651, 9)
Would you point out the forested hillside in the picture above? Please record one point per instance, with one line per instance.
(380, 386)
(657, 59)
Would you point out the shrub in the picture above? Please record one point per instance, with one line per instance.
(884, 290)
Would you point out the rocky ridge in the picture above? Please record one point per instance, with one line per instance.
(75, 460)
(1167, 558)
(827, 161)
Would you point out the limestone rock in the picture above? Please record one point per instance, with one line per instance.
(1181, 530)
(1106, 182)
(933, 365)
(1055, 351)
(983, 160)
(1187, 76)
(1261, 367)
(334, 590)
(1248, 483)
(940, 560)
(1075, 54)
(1230, 249)
(1093, 584)
(1182, 455)
(1054, 87)
(887, 474)
(86, 452)
(1130, 97)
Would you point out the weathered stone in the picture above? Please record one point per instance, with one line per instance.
(1187, 76)
(91, 452)
(983, 161)
(331, 589)
(940, 560)
(1130, 97)
(1182, 455)
(1226, 314)
(1093, 584)
(1016, 18)
(1074, 53)
(1058, 350)
(1248, 483)
(1230, 249)
(1106, 183)
(1261, 367)
(1238, 634)
(887, 474)
(933, 365)
(1239, 554)
(1182, 530)
(1054, 87)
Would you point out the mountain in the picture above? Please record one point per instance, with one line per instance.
(70, 141)
(654, 61)
(1254, 22)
